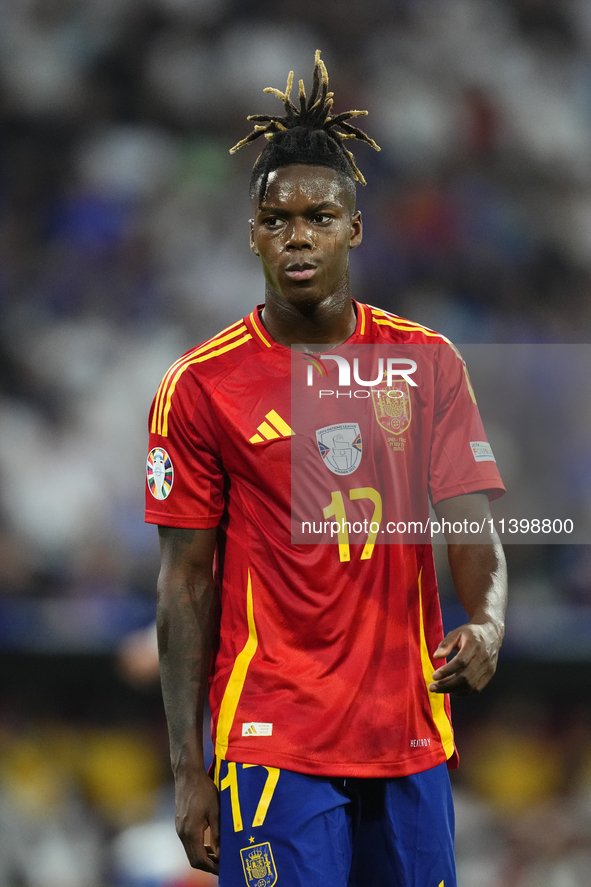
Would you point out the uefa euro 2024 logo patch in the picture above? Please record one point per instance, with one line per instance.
(159, 473)
(340, 447)
(259, 865)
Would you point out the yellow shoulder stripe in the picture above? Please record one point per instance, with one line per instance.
(411, 326)
(378, 312)
(163, 421)
(414, 328)
(402, 323)
(225, 334)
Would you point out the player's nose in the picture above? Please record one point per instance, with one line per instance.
(299, 235)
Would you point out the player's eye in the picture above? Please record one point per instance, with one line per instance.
(322, 218)
(273, 223)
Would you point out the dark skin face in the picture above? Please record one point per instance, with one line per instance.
(303, 230)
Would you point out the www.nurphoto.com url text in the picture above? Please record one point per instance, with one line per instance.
(433, 527)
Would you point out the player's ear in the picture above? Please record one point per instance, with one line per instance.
(252, 244)
(356, 230)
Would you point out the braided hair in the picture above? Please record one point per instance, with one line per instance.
(304, 135)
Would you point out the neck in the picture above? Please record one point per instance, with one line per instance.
(329, 321)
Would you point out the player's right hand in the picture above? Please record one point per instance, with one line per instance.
(197, 810)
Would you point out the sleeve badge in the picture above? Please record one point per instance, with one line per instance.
(159, 473)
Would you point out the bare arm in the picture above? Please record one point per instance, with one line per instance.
(186, 624)
(480, 577)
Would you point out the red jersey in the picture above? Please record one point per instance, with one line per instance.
(324, 655)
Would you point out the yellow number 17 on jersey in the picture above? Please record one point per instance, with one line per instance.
(336, 509)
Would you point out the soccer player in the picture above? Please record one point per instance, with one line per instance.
(325, 663)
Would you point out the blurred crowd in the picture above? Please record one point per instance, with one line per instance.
(523, 797)
(124, 242)
(83, 805)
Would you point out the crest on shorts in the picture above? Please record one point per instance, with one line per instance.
(259, 865)
(392, 405)
(159, 473)
(340, 447)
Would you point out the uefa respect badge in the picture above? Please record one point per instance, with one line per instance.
(159, 473)
(340, 447)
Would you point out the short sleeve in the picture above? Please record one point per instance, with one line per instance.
(184, 473)
(461, 459)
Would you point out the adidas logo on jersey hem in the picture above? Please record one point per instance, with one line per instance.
(254, 728)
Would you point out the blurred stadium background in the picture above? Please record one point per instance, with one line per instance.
(123, 242)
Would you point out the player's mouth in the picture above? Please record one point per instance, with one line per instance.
(304, 271)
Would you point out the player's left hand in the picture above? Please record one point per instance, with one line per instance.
(477, 646)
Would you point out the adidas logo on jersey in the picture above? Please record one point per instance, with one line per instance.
(257, 729)
(273, 428)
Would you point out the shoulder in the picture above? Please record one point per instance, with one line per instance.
(200, 369)
(383, 326)
(214, 357)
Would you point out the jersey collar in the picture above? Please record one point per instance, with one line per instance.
(264, 340)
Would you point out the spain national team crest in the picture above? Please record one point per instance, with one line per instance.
(259, 865)
(392, 405)
(159, 473)
(340, 447)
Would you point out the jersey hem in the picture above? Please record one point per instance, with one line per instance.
(353, 769)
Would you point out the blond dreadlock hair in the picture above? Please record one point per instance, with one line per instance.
(306, 134)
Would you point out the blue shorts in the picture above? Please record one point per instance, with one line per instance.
(285, 828)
